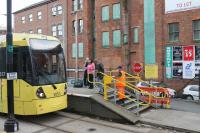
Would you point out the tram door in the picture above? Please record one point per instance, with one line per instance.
(1, 108)
(16, 65)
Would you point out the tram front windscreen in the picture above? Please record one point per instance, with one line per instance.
(47, 61)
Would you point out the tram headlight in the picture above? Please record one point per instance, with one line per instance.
(40, 93)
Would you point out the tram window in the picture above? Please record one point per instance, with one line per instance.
(2, 63)
(26, 67)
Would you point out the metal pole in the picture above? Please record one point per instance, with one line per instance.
(76, 42)
(11, 125)
(64, 30)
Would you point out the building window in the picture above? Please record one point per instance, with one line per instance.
(59, 10)
(39, 31)
(136, 35)
(116, 38)
(74, 5)
(80, 50)
(39, 15)
(74, 27)
(31, 31)
(174, 32)
(53, 11)
(30, 16)
(60, 30)
(116, 11)
(54, 30)
(77, 5)
(105, 39)
(105, 13)
(196, 30)
(23, 19)
(80, 25)
(80, 4)
(56, 10)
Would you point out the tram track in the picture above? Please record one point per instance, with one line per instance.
(64, 122)
(36, 121)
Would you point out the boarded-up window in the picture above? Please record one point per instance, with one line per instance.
(116, 38)
(116, 11)
(105, 13)
(105, 39)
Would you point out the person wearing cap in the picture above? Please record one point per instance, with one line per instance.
(120, 84)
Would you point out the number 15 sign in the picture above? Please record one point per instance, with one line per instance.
(188, 53)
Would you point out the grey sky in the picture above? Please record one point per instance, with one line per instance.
(17, 5)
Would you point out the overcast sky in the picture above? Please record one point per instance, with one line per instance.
(17, 5)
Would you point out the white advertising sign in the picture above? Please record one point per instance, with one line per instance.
(181, 5)
(188, 69)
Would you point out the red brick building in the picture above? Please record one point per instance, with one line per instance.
(122, 32)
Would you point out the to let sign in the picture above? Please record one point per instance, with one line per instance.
(137, 67)
(188, 53)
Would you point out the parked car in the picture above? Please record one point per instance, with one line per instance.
(191, 92)
(172, 92)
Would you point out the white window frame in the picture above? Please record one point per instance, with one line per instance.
(60, 29)
(80, 25)
(39, 31)
(54, 30)
(30, 17)
(23, 20)
(59, 9)
(39, 15)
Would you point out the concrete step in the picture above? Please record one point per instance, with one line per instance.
(141, 108)
(132, 106)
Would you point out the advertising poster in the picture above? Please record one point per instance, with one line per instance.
(168, 62)
(188, 53)
(188, 69)
(197, 68)
(177, 69)
(181, 5)
(177, 53)
(197, 53)
(151, 71)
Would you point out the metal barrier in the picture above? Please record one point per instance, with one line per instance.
(146, 96)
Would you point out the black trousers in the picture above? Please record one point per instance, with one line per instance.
(91, 77)
(85, 78)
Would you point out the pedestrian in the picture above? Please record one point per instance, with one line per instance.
(85, 78)
(90, 72)
(120, 84)
(99, 75)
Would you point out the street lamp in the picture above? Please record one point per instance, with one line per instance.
(11, 125)
(76, 43)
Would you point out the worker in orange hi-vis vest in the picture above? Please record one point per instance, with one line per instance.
(120, 84)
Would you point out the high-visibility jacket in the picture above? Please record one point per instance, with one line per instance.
(121, 80)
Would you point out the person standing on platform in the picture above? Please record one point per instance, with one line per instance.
(99, 75)
(85, 76)
(121, 84)
(90, 72)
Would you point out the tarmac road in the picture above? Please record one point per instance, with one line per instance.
(184, 105)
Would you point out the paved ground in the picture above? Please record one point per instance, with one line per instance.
(71, 123)
(183, 115)
(187, 106)
(179, 120)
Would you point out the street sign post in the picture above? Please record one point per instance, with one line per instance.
(11, 125)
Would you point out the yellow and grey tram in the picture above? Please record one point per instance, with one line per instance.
(40, 86)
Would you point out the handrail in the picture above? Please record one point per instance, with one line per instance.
(113, 79)
(164, 90)
(135, 89)
(139, 80)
